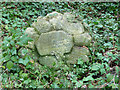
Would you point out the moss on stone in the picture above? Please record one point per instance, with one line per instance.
(59, 36)
(54, 42)
(76, 53)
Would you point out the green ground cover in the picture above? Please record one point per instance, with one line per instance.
(20, 70)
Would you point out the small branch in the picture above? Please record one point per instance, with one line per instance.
(9, 80)
(107, 83)
(114, 81)
(29, 72)
(113, 41)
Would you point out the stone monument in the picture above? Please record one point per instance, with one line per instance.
(59, 37)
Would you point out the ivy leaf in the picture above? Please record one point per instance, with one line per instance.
(106, 59)
(24, 51)
(24, 75)
(12, 43)
(108, 44)
(95, 67)
(13, 58)
(102, 71)
(13, 51)
(117, 69)
(80, 61)
(100, 26)
(24, 39)
(56, 86)
(27, 81)
(9, 64)
(88, 78)
(3, 67)
(79, 84)
(109, 77)
(24, 62)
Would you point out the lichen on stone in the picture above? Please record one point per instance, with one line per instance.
(59, 36)
(54, 41)
(76, 53)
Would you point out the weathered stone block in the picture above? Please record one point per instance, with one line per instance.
(48, 61)
(42, 26)
(52, 15)
(82, 39)
(69, 17)
(33, 34)
(58, 23)
(54, 42)
(74, 28)
(76, 53)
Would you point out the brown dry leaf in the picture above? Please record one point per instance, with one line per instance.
(85, 47)
(32, 61)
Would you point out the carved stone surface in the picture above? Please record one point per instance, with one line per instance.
(54, 42)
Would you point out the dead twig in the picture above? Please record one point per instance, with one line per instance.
(29, 72)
